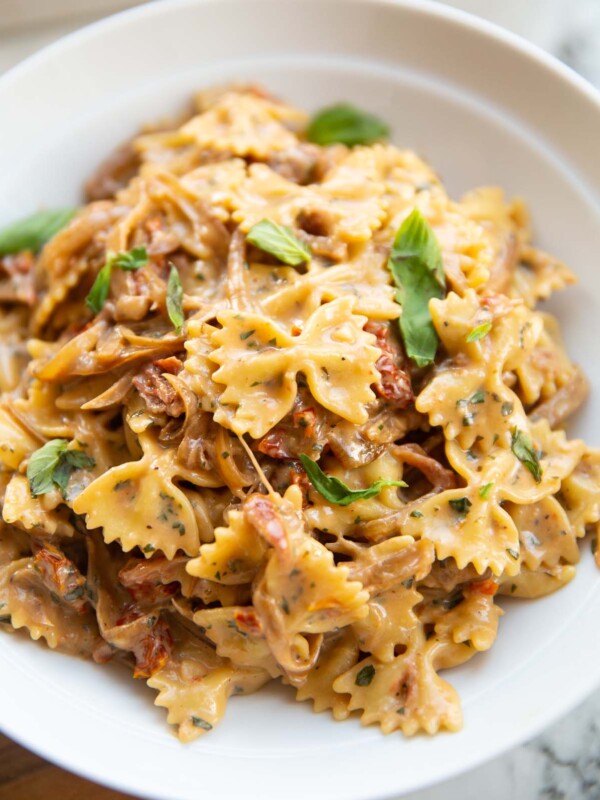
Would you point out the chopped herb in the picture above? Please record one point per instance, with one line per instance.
(218, 575)
(365, 675)
(179, 526)
(225, 454)
(151, 621)
(513, 587)
(449, 602)
(247, 334)
(416, 514)
(279, 241)
(272, 342)
(128, 260)
(530, 540)
(513, 553)
(594, 545)
(52, 465)
(175, 299)
(401, 710)
(121, 485)
(198, 722)
(345, 124)
(335, 491)
(285, 606)
(525, 451)
(149, 548)
(507, 409)
(408, 583)
(477, 397)
(33, 232)
(98, 294)
(461, 505)
(477, 333)
(484, 491)
(416, 265)
(131, 260)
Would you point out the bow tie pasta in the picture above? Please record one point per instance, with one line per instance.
(274, 407)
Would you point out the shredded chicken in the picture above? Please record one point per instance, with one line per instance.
(566, 400)
(158, 394)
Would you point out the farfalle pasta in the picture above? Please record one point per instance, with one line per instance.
(273, 406)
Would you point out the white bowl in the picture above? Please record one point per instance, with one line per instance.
(483, 107)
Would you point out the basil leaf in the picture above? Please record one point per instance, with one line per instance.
(33, 232)
(128, 260)
(416, 265)
(345, 124)
(526, 452)
(335, 491)
(175, 299)
(52, 466)
(279, 241)
(77, 459)
(98, 294)
(41, 466)
(61, 474)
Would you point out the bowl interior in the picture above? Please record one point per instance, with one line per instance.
(474, 105)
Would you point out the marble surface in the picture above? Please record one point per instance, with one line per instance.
(564, 762)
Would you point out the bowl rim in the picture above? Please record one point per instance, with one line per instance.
(578, 691)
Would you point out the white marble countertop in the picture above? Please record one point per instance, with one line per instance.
(564, 762)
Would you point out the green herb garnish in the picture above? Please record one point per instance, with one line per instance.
(175, 299)
(345, 124)
(198, 722)
(51, 466)
(365, 675)
(416, 266)
(477, 397)
(279, 241)
(128, 260)
(526, 452)
(477, 333)
(461, 505)
(33, 232)
(484, 491)
(335, 491)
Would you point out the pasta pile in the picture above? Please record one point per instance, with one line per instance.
(273, 406)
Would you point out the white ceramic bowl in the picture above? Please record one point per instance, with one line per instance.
(483, 107)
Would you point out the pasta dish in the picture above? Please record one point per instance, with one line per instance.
(273, 406)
